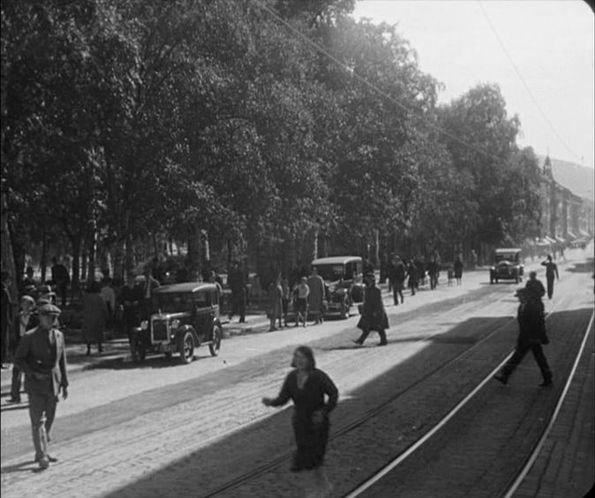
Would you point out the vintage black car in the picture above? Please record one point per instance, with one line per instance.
(507, 265)
(342, 277)
(184, 317)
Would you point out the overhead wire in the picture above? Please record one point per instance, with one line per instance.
(371, 85)
(524, 82)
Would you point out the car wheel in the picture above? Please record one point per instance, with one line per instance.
(186, 347)
(216, 342)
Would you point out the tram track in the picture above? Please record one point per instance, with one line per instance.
(370, 414)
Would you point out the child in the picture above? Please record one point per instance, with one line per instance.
(26, 321)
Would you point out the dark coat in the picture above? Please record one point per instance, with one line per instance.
(41, 355)
(531, 323)
(373, 313)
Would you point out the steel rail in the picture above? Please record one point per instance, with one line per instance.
(531, 460)
(262, 469)
(415, 446)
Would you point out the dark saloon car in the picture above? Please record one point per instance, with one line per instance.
(508, 265)
(184, 317)
(342, 277)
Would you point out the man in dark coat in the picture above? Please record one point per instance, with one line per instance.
(61, 279)
(551, 272)
(397, 277)
(237, 285)
(532, 335)
(373, 314)
(41, 355)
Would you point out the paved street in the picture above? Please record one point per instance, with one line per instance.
(166, 429)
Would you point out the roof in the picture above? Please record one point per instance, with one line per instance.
(335, 260)
(507, 250)
(186, 287)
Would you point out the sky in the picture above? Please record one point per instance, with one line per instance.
(540, 53)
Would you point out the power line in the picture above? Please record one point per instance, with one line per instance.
(342, 64)
(520, 76)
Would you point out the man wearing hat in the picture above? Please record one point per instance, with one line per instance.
(41, 355)
(532, 335)
(373, 314)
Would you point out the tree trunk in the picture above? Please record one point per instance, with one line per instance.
(43, 263)
(76, 254)
(193, 251)
(7, 256)
(91, 254)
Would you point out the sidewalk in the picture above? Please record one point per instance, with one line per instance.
(118, 348)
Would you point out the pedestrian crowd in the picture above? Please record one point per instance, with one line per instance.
(32, 335)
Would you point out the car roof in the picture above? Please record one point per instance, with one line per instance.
(336, 260)
(186, 287)
(504, 251)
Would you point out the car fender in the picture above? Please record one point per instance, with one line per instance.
(180, 331)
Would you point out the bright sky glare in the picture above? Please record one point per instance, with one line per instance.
(540, 52)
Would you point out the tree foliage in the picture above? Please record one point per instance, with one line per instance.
(125, 120)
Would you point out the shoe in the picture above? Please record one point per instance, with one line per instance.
(501, 378)
(357, 342)
(14, 400)
(546, 383)
(49, 457)
(44, 463)
(272, 329)
(382, 343)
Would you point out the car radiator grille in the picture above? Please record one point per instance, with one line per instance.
(160, 330)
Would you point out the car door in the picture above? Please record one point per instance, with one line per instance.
(203, 315)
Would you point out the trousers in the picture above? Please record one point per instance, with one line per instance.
(42, 411)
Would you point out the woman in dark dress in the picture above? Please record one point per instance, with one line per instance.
(307, 387)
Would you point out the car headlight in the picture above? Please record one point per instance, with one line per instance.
(144, 325)
(175, 323)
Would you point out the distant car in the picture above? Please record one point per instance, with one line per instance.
(343, 283)
(184, 317)
(507, 265)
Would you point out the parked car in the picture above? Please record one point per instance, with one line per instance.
(184, 317)
(507, 265)
(343, 282)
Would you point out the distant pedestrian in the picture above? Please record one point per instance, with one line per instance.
(301, 293)
(316, 297)
(61, 279)
(551, 272)
(41, 355)
(373, 314)
(109, 298)
(237, 284)
(473, 259)
(397, 276)
(7, 305)
(285, 299)
(535, 286)
(94, 317)
(276, 303)
(308, 386)
(532, 335)
(29, 283)
(149, 286)
(130, 299)
(433, 272)
(458, 268)
(413, 282)
(26, 321)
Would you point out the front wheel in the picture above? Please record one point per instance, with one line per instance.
(216, 341)
(186, 347)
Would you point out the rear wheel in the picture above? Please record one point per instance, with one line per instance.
(186, 347)
(216, 342)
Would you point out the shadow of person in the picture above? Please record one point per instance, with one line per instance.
(11, 407)
(28, 466)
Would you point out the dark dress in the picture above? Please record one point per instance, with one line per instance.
(311, 439)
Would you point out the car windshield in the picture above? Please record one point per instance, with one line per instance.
(173, 302)
(331, 272)
(510, 257)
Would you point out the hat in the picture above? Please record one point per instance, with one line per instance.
(44, 289)
(49, 309)
(28, 298)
